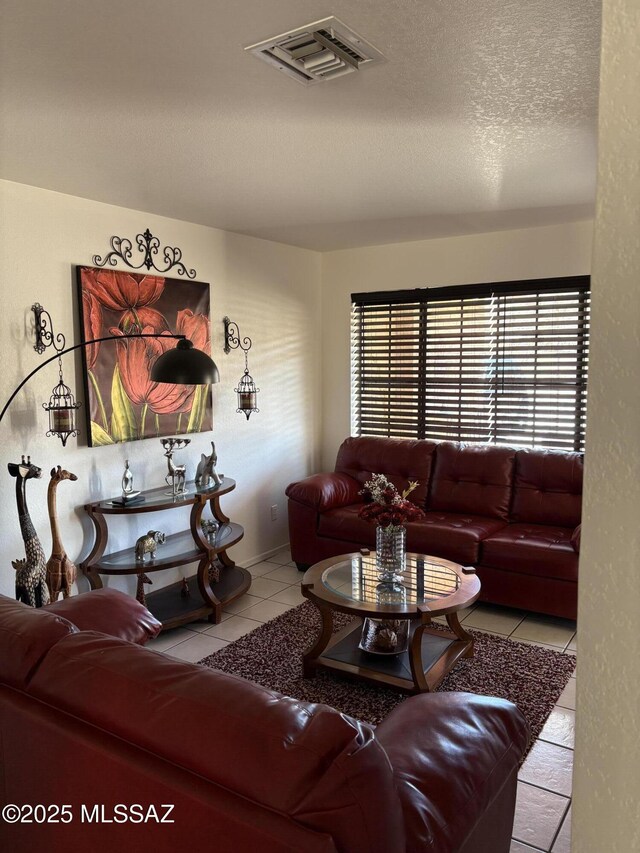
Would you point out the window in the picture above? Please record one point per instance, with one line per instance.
(503, 363)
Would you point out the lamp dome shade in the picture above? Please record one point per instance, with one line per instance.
(185, 365)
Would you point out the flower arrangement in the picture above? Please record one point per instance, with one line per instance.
(385, 506)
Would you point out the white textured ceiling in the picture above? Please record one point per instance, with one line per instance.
(482, 118)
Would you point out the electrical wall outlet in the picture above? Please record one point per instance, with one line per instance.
(274, 512)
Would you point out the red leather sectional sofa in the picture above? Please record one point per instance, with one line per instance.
(108, 730)
(512, 513)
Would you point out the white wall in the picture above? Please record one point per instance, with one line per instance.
(271, 290)
(606, 807)
(557, 250)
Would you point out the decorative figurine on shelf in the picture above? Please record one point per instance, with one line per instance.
(209, 527)
(147, 544)
(129, 496)
(31, 573)
(142, 580)
(127, 479)
(176, 478)
(61, 571)
(128, 493)
(206, 470)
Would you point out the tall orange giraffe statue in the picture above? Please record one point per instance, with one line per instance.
(61, 571)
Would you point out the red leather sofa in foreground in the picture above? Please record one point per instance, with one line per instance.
(115, 733)
(512, 513)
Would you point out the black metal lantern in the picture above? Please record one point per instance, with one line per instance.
(247, 394)
(62, 411)
(246, 390)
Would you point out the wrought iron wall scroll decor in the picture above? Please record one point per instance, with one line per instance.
(122, 249)
(246, 390)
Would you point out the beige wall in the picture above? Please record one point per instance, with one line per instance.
(272, 291)
(606, 811)
(500, 256)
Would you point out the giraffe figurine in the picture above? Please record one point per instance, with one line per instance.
(31, 573)
(140, 594)
(61, 571)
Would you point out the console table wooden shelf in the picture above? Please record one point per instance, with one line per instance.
(197, 596)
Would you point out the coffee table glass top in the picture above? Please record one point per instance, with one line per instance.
(424, 580)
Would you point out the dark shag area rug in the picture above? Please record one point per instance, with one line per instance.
(271, 656)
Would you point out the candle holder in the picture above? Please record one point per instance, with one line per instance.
(62, 410)
(246, 390)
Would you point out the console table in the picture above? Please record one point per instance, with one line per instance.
(197, 596)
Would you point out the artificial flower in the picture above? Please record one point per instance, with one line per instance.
(385, 506)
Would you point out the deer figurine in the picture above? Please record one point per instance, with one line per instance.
(176, 478)
(61, 571)
(31, 573)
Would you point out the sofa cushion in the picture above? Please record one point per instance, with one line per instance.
(548, 487)
(453, 536)
(343, 523)
(534, 549)
(472, 478)
(399, 459)
(26, 635)
(110, 612)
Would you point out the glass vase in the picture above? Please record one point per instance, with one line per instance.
(390, 552)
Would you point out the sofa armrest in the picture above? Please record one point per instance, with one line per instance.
(325, 491)
(575, 538)
(110, 612)
(452, 754)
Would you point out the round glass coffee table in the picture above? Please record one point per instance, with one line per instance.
(396, 646)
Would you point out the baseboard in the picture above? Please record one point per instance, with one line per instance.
(251, 561)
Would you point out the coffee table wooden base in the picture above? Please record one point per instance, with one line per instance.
(431, 655)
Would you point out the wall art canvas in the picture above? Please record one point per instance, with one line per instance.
(122, 403)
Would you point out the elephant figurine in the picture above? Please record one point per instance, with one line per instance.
(147, 544)
(206, 470)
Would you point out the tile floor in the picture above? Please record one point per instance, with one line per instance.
(543, 810)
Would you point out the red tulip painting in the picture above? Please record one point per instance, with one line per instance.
(122, 401)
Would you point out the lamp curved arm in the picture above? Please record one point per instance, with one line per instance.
(80, 346)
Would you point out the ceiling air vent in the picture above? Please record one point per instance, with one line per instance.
(317, 52)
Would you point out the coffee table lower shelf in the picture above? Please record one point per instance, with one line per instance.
(440, 651)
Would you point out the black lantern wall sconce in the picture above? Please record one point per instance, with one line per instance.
(184, 365)
(246, 390)
(62, 404)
